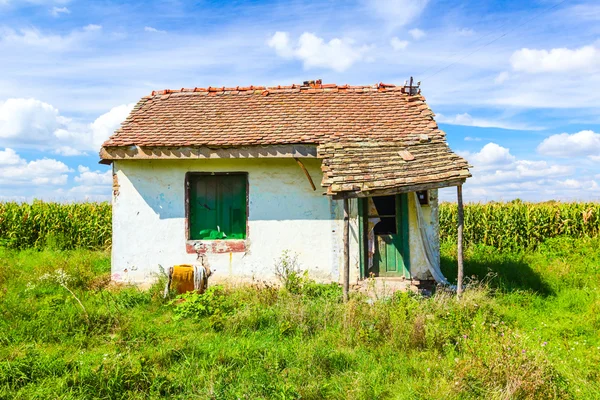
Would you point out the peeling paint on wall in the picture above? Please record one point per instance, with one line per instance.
(284, 213)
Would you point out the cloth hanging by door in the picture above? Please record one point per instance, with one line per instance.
(427, 247)
(372, 220)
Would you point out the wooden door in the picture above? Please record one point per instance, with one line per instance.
(391, 239)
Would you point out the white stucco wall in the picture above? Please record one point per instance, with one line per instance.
(284, 213)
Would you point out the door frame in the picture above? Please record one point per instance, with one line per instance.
(402, 227)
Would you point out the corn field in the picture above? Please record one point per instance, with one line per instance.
(506, 226)
(519, 225)
(55, 225)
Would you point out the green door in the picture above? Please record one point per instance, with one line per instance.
(390, 235)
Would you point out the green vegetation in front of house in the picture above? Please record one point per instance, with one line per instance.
(527, 328)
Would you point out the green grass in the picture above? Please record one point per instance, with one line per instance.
(526, 328)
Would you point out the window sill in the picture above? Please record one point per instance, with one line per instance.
(215, 246)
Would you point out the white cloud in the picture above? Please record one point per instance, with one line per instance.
(583, 143)
(68, 151)
(106, 124)
(28, 120)
(92, 28)
(466, 119)
(314, 52)
(153, 30)
(398, 44)
(33, 37)
(33, 123)
(91, 178)
(397, 12)
(472, 139)
(56, 11)
(416, 33)
(584, 59)
(499, 175)
(490, 156)
(91, 184)
(15, 171)
(502, 76)
(9, 157)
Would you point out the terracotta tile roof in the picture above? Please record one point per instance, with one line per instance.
(243, 116)
(369, 167)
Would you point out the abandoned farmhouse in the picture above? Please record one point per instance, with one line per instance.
(346, 177)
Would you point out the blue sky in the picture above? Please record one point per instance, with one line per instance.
(515, 84)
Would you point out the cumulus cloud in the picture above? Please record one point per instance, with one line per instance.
(33, 123)
(466, 119)
(336, 54)
(397, 12)
(9, 157)
(499, 175)
(583, 143)
(106, 124)
(398, 44)
(88, 177)
(15, 170)
(91, 184)
(416, 33)
(28, 120)
(490, 156)
(583, 59)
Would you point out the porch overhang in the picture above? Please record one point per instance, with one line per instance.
(376, 168)
(398, 190)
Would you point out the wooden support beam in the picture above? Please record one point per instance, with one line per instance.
(398, 190)
(346, 274)
(459, 254)
(312, 184)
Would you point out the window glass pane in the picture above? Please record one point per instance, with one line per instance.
(217, 206)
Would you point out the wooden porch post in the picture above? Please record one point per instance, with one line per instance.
(459, 255)
(346, 274)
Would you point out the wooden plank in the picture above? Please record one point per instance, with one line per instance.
(312, 184)
(362, 237)
(459, 256)
(346, 274)
(399, 189)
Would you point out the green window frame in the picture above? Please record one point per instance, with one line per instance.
(217, 205)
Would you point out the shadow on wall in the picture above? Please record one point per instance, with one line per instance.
(278, 188)
(509, 271)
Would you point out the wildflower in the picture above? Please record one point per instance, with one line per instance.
(464, 336)
(523, 351)
(544, 344)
